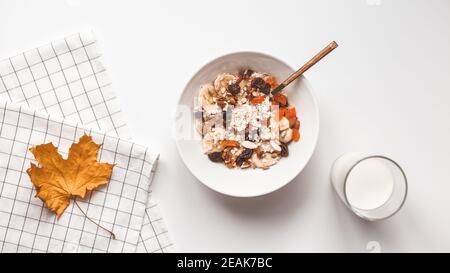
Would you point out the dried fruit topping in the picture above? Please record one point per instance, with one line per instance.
(257, 99)
(260, 85)
(246, 154)
(257, 83)
(215, 157)
(234, 89)
(296, 125)
(295, 135)
(280, 99)
(265, 89)
(244, 139)
(284, 150)
(290, 112)
(272, 81)
(239, 161)
(292, 121)
(229, 143)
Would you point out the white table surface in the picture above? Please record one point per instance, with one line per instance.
(386, 89)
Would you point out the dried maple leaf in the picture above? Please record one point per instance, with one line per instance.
(58, 179)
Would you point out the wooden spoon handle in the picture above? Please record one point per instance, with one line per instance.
(324, 52)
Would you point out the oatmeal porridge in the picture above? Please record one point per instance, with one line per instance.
(242, 124)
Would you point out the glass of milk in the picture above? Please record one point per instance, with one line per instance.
(374, 187)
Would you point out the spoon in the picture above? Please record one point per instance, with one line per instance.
(324, 52)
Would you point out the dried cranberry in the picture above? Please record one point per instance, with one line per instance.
(215, 157)
(284, 150)
(234, 89)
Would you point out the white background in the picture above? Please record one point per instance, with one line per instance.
(386, 89)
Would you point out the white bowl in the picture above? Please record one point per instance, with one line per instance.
(247, 182)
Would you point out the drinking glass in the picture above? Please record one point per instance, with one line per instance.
(374, 187)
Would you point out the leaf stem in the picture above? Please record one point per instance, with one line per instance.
(110, 232)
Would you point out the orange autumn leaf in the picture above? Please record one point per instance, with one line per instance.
(57, 180)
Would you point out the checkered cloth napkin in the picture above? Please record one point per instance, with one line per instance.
(66, 79)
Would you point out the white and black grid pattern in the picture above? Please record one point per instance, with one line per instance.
(67, 79)
(27, 225)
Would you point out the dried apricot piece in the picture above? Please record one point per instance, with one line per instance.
(272, 81)
(281, 113)
(292, 121)
(295, 135)
(290, 112)
(229, 143)
(280, 99)
(296, 125)
(258, 99)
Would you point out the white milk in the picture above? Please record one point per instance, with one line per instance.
(369, 185)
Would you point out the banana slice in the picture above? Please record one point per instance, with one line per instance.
(222, 81)
(206, 95)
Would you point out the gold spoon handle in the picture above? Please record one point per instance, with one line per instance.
(324, 52)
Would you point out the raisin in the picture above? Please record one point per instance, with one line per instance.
(257, 83)
(239, 161)
(284, 150)
(246, 154)
(215, 157)
(261, 85)
(265, 89)
(234, 89)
